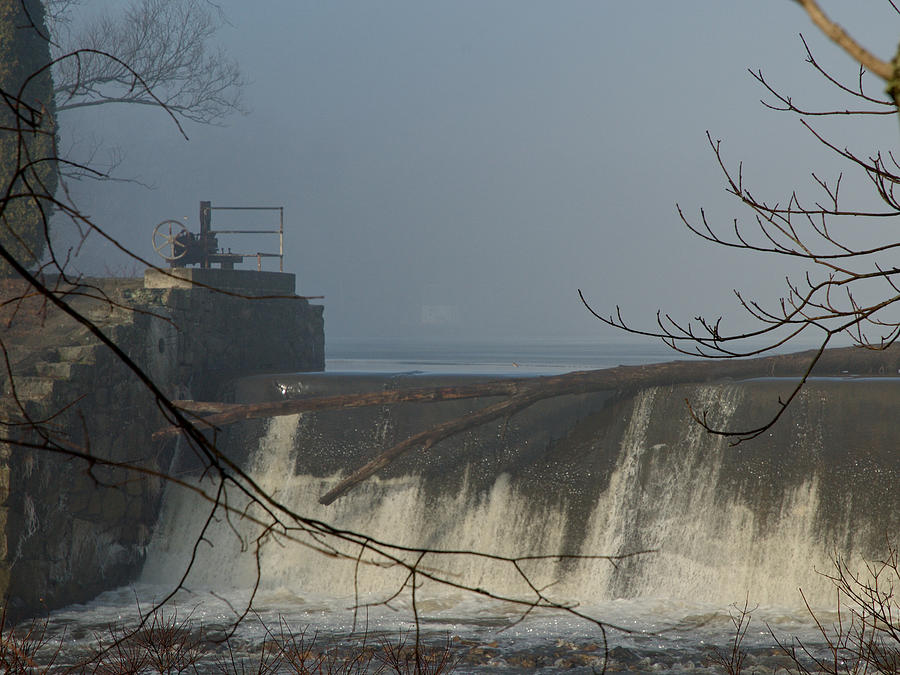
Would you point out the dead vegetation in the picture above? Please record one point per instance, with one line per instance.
(169, 643)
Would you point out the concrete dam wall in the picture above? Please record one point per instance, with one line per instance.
(606, 473)
(593, 474)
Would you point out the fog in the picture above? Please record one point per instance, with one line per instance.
(491, 158)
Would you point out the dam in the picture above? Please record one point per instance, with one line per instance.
(608, 508)
(586, 475)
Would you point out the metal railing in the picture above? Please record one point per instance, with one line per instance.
(206, 209)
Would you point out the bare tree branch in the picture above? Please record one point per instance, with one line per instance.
(841, 288)
(835, 32)
(168, 43)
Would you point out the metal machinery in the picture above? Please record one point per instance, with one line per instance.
(180, 247)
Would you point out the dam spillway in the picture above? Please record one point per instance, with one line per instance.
(580, 475)
(608, 473)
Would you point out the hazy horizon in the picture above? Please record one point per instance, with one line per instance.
(461, 169)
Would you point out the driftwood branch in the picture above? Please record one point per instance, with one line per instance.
(204, 407)
(623, 378)
(229, 413)
(428, 438)
(520, 393)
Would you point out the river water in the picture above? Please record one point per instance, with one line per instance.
(718, 542)
(496, 357)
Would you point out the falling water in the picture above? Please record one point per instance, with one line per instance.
(715, 524)
(721, 524)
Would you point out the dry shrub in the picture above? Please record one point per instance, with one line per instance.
(731, 660)
(168, 644)
(863, 638)
(26, 649)
(403, 657)
(165, 644)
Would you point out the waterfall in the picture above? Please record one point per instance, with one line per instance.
(707, 544)
(723, 523)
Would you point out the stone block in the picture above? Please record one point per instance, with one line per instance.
(135, 510)
(114, 505)
(4, 483)
(79, 499)
(77, 353)
(4, 550)
(94, 506)
(64, 370)
(245, 282)
(134, 487)
(4, 579)
(34, 388)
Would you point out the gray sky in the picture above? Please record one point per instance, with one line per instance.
(495, 156)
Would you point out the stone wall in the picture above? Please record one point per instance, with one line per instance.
(217, 333)
(70, 529)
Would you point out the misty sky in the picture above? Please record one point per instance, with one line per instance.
(493, 156)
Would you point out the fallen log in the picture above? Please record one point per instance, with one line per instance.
(428, 438)
(523, 392)
(201, 407)
(229, 413)
(834, 362)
